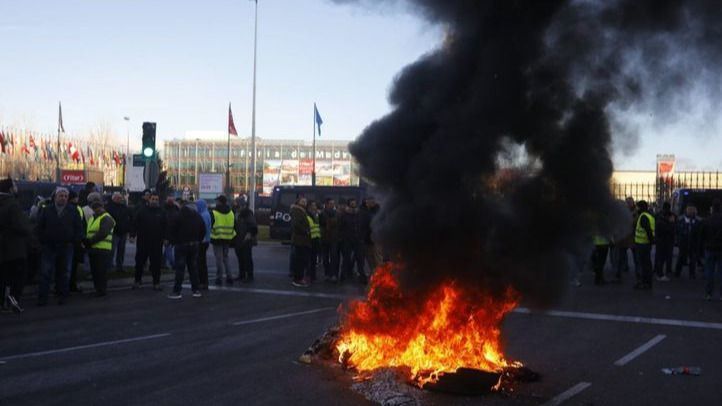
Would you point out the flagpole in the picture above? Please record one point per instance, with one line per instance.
(313, 171)
(228, 155)
(57, 156)
(252, 192)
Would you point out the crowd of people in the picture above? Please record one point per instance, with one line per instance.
(338, 237)
(699, 243)
(61, 232)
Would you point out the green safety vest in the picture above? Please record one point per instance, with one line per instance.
(640, 236)
(80, 212)
(223, 226)
(599, 240)
(94, 227)
(315, 229)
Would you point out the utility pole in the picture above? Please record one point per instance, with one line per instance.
(252, 192)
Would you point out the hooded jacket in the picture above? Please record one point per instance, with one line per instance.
(15, 231)
(202, 207)
(187, 228)
(223, 209)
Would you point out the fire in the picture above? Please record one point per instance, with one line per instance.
(454, 327)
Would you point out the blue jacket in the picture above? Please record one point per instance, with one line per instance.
(206, 216)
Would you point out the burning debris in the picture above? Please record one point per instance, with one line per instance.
(552, 78)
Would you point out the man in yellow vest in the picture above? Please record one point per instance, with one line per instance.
(222, 232)
(643, 240)
(312, 217)
(99, 243)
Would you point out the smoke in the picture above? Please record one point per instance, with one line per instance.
(551, 78)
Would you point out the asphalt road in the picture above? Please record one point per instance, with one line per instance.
(239, 345)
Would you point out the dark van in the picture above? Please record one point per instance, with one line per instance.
(701, 198)
(284, 196)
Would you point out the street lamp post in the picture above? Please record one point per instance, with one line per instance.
(127, 149)
(252, 192)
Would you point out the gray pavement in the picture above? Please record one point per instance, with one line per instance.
(239, 345)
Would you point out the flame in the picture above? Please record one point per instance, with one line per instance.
(453, 327)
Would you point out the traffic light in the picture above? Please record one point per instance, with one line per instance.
(148, 140)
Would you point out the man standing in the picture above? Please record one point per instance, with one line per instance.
(150, 228)
(666, 223)
(99, 243)
(599, 259)
(372, 253)
(328, 221)
(222, 232)
(688, 231)
(624, 244)
(14, 236)
(300, 242)
(352, 247)
(78, 251)
(58, 230)
(246, 234)
(643, 240)
(203, 248)
(121, 214)
(186, 233)
(712, 239)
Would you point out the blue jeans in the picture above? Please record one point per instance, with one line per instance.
(52, 256)
(118, 251)
(712, 268)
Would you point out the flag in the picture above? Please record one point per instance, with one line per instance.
(90, 156)
(231, 125)
(73, 152)
(2, 142)
(116, 158)
(32, 143)
(60, 118)
(317, 116)
(82, 156)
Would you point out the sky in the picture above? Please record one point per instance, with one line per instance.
(180, 62)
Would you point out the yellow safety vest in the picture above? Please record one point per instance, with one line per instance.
(223, 226)
(94, 227)
(80, 212)
(315, 229)
(599, 240)
(640, 235)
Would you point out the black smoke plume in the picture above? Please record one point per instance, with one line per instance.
(550, 78)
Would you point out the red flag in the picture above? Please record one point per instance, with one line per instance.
(231, 126)
(2, 142)
(32, 142)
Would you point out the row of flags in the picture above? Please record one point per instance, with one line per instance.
(38, 147)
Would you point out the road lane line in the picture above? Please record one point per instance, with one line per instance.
(83, 347)
(281, 316)
(644, 347)
(283, 292)
(568, 394)
(626, 319)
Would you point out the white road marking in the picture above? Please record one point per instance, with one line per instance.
(644, 347)
(282, 292)
(282, 316)
(568, 394)
(83, 347)
(626, 319)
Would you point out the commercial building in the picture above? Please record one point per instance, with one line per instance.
(278, 162)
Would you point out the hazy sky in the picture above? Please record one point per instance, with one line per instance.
(179, 63)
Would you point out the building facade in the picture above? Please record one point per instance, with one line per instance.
(278, 162)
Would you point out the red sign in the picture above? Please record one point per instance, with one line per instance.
(72, 177)
(305, 167)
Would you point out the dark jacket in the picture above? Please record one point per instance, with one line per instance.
(328, 222)
(15, 229)
(223, 209)
(711, 233)
(188, 227)
(122, 216)
(245, 224)
(365, 217)
(348, 227)
(150, 225)
(689, 232)
(665, 227)
(54, 229)
(300, 229)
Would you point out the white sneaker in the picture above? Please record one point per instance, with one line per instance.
(175, 296)
(197, 294)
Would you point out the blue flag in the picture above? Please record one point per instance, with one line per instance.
(319, 121)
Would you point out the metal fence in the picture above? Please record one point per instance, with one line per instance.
(662, 189)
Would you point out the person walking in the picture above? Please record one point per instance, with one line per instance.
(315, 230)
(328, 223)
(202, 207)
(711, 233)
(222, 233)
(149, 227)
(15, 235)
(666, 223)
(186, 233)
(643, 240)
(118, 209)
(300, 242)
(246, 238)
(599, 259)
(99, 244)
(58, 229)
(688, 232)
